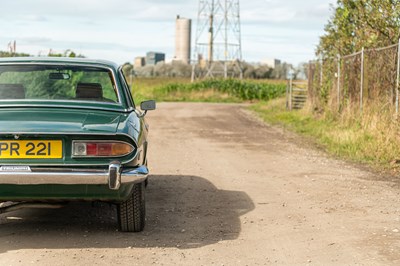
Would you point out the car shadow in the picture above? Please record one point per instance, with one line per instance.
(182, 212)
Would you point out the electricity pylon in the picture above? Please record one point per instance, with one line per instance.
(218, 48)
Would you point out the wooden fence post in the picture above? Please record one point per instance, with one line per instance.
(321, 73)
(290, 92)
(362, 80)
(398, 79)
(338, 81)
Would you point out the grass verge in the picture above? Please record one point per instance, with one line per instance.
(364, 139)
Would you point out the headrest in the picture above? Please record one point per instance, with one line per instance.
(12, 91)
(89, 91)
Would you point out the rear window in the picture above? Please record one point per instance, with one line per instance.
(51, 82)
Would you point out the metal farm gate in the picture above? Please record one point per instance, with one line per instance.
(296, 94)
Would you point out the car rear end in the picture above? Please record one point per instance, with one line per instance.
(67, 134)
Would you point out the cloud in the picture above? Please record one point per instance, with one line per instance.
(132, 27)
(34, 40)
(95, 10)
(320, 11)
(35, 18)
(273, 11)
(275, 15)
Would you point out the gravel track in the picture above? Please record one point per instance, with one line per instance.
(225, 189)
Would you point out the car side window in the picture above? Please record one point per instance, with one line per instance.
(102, 78)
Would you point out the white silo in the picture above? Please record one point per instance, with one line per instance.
(183, 39)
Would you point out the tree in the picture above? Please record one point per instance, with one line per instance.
(360, 23)
(66, 53)
(127, 69)
(161, 69)
(281, 71)
(181, 69)
(8, 54)
(262, 72)
(145, 71)
(301, 71)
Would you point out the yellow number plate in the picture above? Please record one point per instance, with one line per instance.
(30, 149)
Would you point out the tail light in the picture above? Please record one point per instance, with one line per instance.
(101, 148)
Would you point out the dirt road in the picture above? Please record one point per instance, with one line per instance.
(225, 190)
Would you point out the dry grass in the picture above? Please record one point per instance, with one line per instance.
(144, 88)
(371, 137)
(209, 95)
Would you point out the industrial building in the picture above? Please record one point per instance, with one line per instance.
(152, 58)
(140, 61)
(271, 62)
(183, 39)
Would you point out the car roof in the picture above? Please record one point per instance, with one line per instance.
(60, 60)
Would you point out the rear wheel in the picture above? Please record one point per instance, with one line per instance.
(132, 212)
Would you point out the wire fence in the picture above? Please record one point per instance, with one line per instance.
(366, 79)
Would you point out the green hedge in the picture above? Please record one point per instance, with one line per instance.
(244, 90)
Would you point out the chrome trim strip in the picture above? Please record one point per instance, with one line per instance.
(127, 91)
(66, 107)
(49, 164)
(39, 102)
(70, 134)
(62, 133)
(83, 177)
(15, 168)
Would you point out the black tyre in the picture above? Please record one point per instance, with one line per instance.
(131, 213)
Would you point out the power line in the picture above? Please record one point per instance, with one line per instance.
(218, 48)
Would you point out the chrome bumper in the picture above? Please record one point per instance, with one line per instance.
(114, 177)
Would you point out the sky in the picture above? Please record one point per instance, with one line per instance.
(120, 30)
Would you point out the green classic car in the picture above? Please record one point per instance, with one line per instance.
(70, 131)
